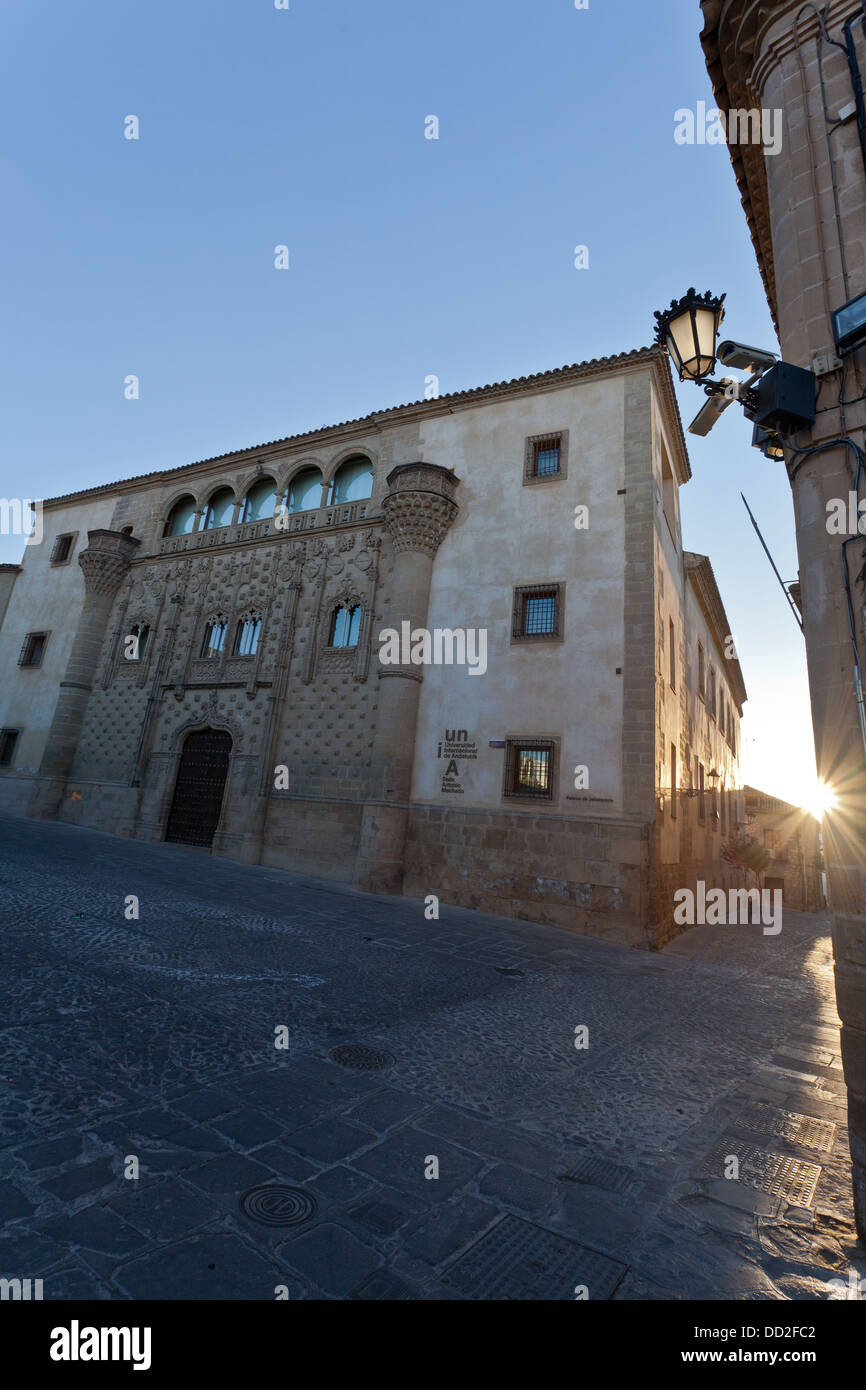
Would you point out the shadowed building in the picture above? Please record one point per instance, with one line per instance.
(452, 648)
(806, 210)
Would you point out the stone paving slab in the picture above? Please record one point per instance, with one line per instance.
(490, 1159)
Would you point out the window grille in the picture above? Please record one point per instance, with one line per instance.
(537, 612)
(62, 549)
(34, 649)
(529, 767)
(546, 457)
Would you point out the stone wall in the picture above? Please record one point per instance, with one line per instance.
(580, 874)
(317, 837)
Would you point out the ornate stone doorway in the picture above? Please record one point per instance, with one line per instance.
(198, 791)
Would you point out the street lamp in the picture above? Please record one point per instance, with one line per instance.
(777, 397)
(689, 329)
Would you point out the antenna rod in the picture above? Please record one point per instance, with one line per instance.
(791, 602)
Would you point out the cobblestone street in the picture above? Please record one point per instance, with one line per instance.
(558, 1167)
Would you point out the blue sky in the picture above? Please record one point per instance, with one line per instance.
(409, 256)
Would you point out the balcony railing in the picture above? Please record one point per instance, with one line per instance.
(290, 524)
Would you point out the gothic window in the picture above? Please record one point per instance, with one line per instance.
(214, 638)
(305, 491)
(260, 502)
(247, 635)
(345, 626)
(181, 518)
(135, 642)
(352, 482)
(220, 509)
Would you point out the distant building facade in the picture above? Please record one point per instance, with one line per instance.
(792, 837)
(233, 654)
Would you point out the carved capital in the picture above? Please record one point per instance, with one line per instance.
(419, 507)
(106, 561)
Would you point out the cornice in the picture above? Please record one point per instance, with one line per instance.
(740, 53)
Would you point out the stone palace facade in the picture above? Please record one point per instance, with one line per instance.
(241, 654)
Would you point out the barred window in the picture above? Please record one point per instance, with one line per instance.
(214, 638)
(247, 636)
(537, 612)
(702, 677)
(34, 649)
(546, 457)
(62, 551)
(529, 768)
(345, 627)
(8, 740)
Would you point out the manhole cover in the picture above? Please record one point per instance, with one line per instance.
(787, 1124)
(601, 1172)
(774, 1173)
(517, 1260)
(360, 1056)
(273, 1204)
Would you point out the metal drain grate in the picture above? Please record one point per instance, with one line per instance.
(274, 1204)
(787, 1124)
(361, 1057)
(603, 1173)
(774, 1173)
(516, 1260)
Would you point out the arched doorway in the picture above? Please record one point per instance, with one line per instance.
(198, 791)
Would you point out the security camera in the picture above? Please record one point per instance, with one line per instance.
(744, 358)
(709, 414)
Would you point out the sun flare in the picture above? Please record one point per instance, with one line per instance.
(821, 800)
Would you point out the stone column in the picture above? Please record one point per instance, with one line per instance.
(811, 243)
(104, 563)
(419, 509)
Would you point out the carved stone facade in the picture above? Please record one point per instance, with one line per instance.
(263, 636)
